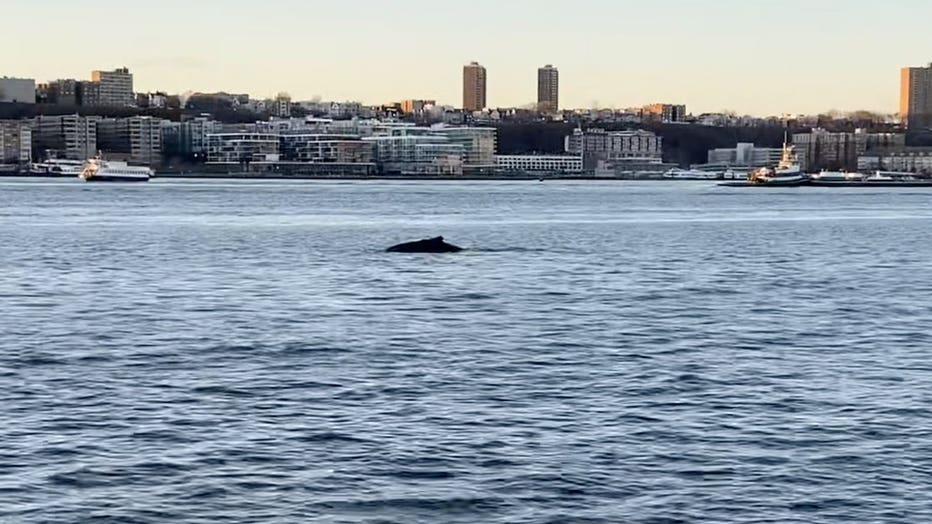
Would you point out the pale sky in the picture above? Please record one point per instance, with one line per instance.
(754, 56)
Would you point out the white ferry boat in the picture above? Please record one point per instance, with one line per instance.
(57, 167)
(100, 170)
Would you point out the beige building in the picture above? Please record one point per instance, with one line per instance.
(116, 87)
(916, 96)
(548, 89)
(474, 87)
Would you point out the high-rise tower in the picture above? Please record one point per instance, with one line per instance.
(474, 87)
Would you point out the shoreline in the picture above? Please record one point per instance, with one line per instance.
(426, 178)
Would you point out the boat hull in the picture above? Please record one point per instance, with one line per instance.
(115, 178)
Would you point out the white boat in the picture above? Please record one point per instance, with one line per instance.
(837, 176)
(57, 167)
(100, 170)
(691, 174)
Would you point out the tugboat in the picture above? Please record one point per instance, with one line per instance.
(787, 172)
(99, 170)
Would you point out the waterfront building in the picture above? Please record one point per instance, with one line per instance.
(15, 143)
(539, 164)
(242, 148)
(916, 96)
(548, 89)
(69, 137)
(417, 153)
(145, 138)
(821, 149)
(479, 146)
(326, 148)
(113, 137)
(17, 90)
(193, 133)
(904, 160)
(115, 87)
(474, 87)
(663, 113)
(745, 155)
(597, 146)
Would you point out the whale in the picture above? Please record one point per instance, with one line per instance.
(429, 245)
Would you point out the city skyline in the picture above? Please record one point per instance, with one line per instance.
(710, 57)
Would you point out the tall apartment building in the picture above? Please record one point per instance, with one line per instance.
(18, 90)
(89, 94)
(474, 87)
(821, 149)
(113, 137)
(116, 87)
(145, 140)
(548, 89)
(192, 141)
(916, 96)
(71, 137)
(665, 113)
(64, 92)
(15, 143)
(597, 146)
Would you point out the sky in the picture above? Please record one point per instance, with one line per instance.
(762, 57)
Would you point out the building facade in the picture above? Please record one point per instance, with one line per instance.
(916, 96)
(475, 83)
(663, 113)
(15, 143)
(902, 160)
(145, 139)
(417, 154)
(193, 133)
(325, 148)
(242, 148)
(597, 146)
(538, 164)
(478, 143)
(746, 155)
(825, 150)
(548, 89)
(69, 137)
(115, 87)
(63, 92)
(416, 107)
(17, 90)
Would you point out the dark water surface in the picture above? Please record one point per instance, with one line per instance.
(206, 352)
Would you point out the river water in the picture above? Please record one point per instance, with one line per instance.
(216, 351)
